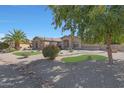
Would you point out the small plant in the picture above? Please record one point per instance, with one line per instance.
(25, 55)
(50, 51)
(89, 57)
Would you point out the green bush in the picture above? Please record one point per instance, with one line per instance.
(3, 46)
(50, 51)
(89, 57)
(25, 55)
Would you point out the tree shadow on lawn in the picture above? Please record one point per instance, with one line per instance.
(47, 73)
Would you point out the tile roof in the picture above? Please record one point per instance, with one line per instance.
(53, 39)
(49, 39)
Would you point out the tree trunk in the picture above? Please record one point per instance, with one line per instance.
(17, 45)
(72, 41)
(109, 49)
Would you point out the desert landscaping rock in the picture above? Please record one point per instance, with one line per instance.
(44, 73)
(37, 72)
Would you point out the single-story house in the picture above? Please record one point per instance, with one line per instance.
(63, 42)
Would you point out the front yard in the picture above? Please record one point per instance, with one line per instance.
(76, 71)
(46, 73)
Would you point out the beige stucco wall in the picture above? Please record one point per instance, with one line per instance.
(76, 42)
(102, 47)
(24, 46)
(53, 43)
(37, 44)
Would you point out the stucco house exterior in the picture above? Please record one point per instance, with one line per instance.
(40, 42)
(22, 45)
(67, 42)
(63, 42)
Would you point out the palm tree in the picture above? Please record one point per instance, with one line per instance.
(16, 36)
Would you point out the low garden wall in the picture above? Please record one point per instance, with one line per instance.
(102, 47)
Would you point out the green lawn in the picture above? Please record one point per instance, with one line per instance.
(27, 53)
(83, 58)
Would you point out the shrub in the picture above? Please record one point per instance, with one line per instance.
(89, 57)
(25, 55)
(50, 51)
(3, 46)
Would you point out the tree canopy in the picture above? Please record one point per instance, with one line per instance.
(83, 19)
(94, 24)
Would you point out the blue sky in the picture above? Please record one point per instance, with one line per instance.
(33, 20)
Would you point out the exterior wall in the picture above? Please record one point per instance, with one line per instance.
(121, 48)
(37, 44)
(11, 44)
(66, 44)
(101, 47)
(93, 47)
(76, 43)
(53, 43)
(24, 46)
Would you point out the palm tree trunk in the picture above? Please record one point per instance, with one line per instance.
(17, 45)
(109, 49)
